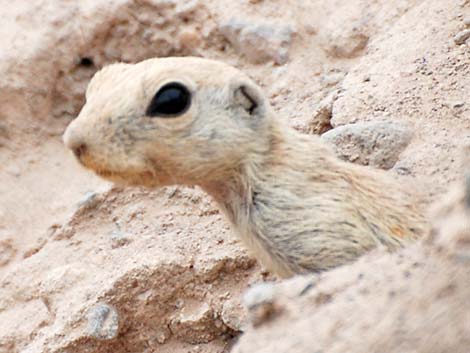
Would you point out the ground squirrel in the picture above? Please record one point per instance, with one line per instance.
(194, 121)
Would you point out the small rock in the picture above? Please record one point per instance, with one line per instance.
(119, 238)
(347, 46)
(310, 28)
(466, 22)
(162, 335)
(7, 252)
(333, 78)
(103, 322)
(89, 201)
(259, 294)
(197, 326)
(260, 303)
(233, 315)
(461, 37)
(321, 119)
(187, 8)
(401, 170)
(14, 171)
(259, 42)
(189, 39)
(376, 143)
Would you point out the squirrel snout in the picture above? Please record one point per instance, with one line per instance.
(75, 142)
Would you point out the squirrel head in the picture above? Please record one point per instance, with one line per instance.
(169, 121)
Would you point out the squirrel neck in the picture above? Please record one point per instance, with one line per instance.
(288, 153)
(234, 192)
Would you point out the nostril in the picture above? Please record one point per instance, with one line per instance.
(79, 150)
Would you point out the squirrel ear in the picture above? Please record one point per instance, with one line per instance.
(249, 97)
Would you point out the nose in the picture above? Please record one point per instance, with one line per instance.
(75, 142)
(79, 150)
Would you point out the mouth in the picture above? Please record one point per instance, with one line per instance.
(152, 176)
(145, 178)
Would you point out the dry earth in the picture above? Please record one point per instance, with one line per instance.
(85, 267)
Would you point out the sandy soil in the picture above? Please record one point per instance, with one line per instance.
(163, 265)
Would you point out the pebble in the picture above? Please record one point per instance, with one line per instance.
(14, 170)
(260, 303)
(347, 46)
(162, 335)
(186, 8)
(189, 39)
(375, 143)
(103, 322)
(259, 294)
(461, 37)
(196, 326)
(259, 42)
(119, 238)
(89, 201)
(233, 315)
(7, 252)
(320, 120)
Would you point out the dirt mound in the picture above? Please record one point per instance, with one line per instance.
(85, 267)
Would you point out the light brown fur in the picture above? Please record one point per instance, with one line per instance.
(295, 205)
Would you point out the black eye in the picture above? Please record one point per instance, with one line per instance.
(171, 100)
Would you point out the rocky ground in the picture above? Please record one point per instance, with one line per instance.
(86, 267)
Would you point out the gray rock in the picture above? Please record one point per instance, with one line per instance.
(378, 144)
(103, 322)
(259, 42)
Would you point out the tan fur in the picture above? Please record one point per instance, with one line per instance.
(295, 205)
